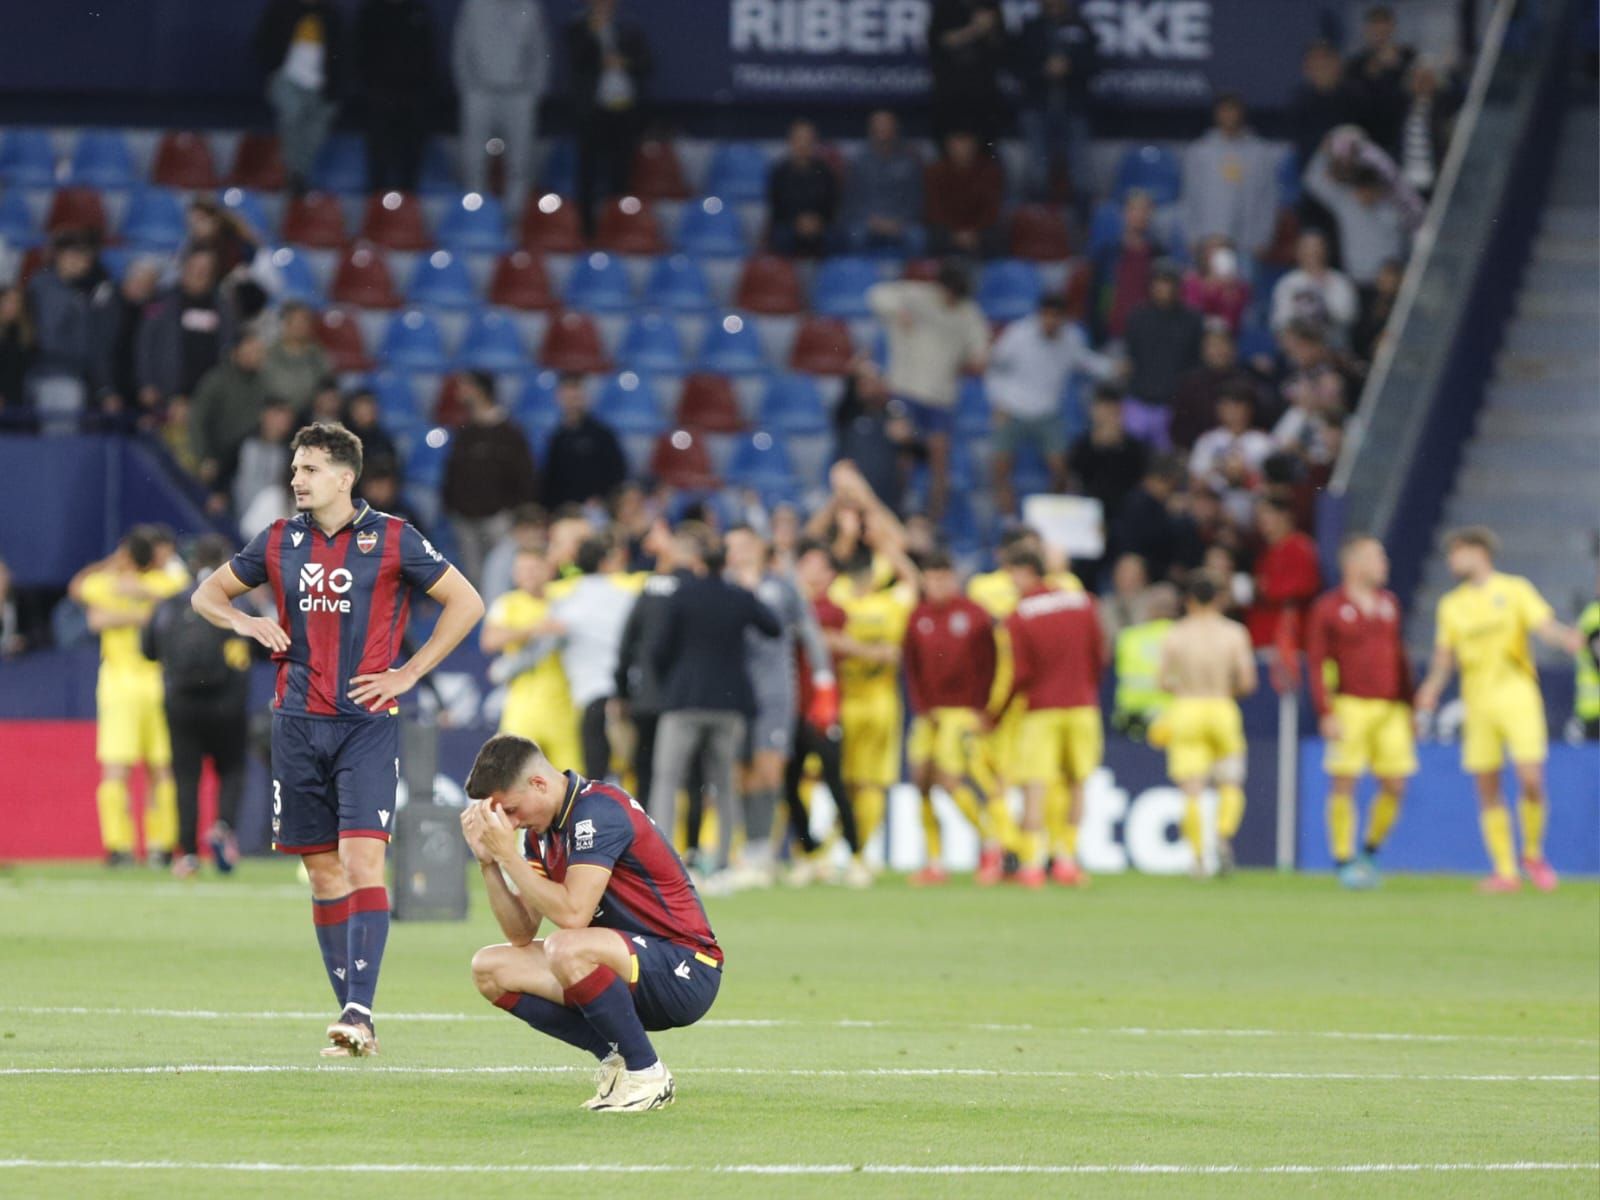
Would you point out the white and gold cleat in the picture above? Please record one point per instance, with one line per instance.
(639, 1091)
(611, 1071)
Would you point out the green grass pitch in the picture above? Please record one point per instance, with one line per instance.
(1264, 1035)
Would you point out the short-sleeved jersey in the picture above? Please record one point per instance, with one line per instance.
(541, 687)
(119, 647)
(1353, 652)
(876, 619)
(649, 892)
(949, 655)
(343, 599)
(1486, 627)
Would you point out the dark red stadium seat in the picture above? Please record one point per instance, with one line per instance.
(628, 226)
(450, 406)
(657, 173)
(921, 268)
(769, 284)
(679, 460)
(258, 164)
(709, 404)
(822, 346)
(396, 220)
(315, 219)
(76, 208)
(1076, 289)
(572, 343)
(520, 282)
(552, 225)
(34, 261)
(340, 335)
(1039, 232)
(183, 160)
(363, 279)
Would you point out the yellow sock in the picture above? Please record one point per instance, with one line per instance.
(869, 812)
(1496, 825)
(1342, 827)
(1193, 827)
(1058, 820)
(1004, 825)
(1532, 817)
(116, 826)
(1034, 853)
(1385, 811)
(973, 809)
(1230, 809)
(932, 836)
(161, 816)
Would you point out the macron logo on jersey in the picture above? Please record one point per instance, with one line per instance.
(315, 584)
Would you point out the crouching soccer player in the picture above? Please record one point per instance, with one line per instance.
(632, 949)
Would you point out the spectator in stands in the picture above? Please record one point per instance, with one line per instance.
(225, 410)
(16, 349)
(209, 224)
(529, 532)
(261, 477)
(501, 58)
(1378, 75)
(74, 308)
(1163, 341)
(1221, 566)
(380, 486)
(1423, 134)
(296, 362)
(488, 473)
(883, 195)
(297, 48)
(963, 193)
(584, 461)
(1375, 209)
(966, 51)
(364, 418)
(1126, 602)
(1228, 459)
(394, 55)
(935, 332)
(1314, 290)
(1056, 59)
(1319, 388)
(137, 290)
(874, 431)
(15, 636)
(1377, 305)
(1216, 288)
(1026, 382)
(1149, 527)
(1107, 462)
(802, 196)
(185, 331)
(1321, 102)
(327, 404)
(1287, 578)
(1194, 405)
(1120, 270)
(608, 64)
(1230, 181)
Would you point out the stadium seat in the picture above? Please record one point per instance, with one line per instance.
(183, 160)
(1008, 289)
(680, 460)
(1039, 232)
(341, 165)
(738, 172)
(27, 158)
(628, 226)
(474, 222)
(732, 347)
(425, 463)
(677, 283)
(441, 279)
(972, 409)
(1153, 169)
(822, 346)
(559, 171)
(552, 225)
(101, 159)
(17, 225)
(491, 343)
(629, 405)
(437, 176)
(258, 163)
(296, 280)
(340, 335)
(792, 404)
(572, 343)
(519, 281)
(769, 284)
(76, 208)
(840, 288)
(599, 283)
(153, 220)
(711, 229)
(412, 342)
(362, 278)
(657, 173)
(315, 219)
(246, 208)
(925, 269)
(395, 220)
(651, 343)
(761, 463)
(535, 403)
(709, 404)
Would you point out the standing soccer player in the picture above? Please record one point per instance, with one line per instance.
(342, 575)
(1483, 628)
(1361, 687)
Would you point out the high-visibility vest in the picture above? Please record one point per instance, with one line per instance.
(1138, 654)
(1588, 702)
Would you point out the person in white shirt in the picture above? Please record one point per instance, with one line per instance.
(1229, 458)
(1315, 291)
(297, 47)
(1028, 372)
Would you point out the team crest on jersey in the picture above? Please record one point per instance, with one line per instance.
(583, 835)
(366, 541)
(959, 624)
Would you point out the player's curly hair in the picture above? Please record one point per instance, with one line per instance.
(343, 447)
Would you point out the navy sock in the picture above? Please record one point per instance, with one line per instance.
(604, 1001)
(559, 1021)
(369, 931)
(333, 939)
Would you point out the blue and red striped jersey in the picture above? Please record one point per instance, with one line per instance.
(343, 599)
(649, 891)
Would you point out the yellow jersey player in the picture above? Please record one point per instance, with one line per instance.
(1482, 630)
(538, 703)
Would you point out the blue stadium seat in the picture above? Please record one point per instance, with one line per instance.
(17, 224)
(27, 158)
(1155, 169)
(599, 283)
(1105, 227)
(738, 172)
(413, 342)
(397, 398)
(474, 222)
(677, 283)
(296, 279)
(535, 407)
(246, 206)
(441, 279)
(1008, 288)
(437, 177)
(492, 343)
(972, 409)
(732, 347)
(760, 462)
(840, 289)
(651, 343)
(629, 405)
(710, 227)
(559, 171)
(791, 404)
(101, 159)
(425, 463)
(154, 220)
(341, 165)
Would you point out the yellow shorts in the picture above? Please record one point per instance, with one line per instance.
(1002, 742)
(1200, 734)
(132, 724)
(1513, 718)
(919, 742)
(871, 726)
(553, 727)
(1375, 735)
(955, 741)
(1059, 744)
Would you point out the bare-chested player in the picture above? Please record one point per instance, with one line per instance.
(1206, 663)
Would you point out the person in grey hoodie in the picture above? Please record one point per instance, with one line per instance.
(1230, 181)
(501, 61)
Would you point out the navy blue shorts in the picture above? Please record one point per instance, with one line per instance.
(332, 779)
(930, 419)
(673, 985)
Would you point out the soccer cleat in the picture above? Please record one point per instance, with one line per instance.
(931, 875)
(353, 1033)
(224, 847)
(611, 1071)
(991, 868)
(159, 860)
(1499, 885)
(1068, 873)
(185, 866)
(1358, 875)
(118, 858)
(1540, 874)
(803, 873)
(1031, 878)
(858, 875)
(1224, 856)
(639, 1091)
(344, 1051)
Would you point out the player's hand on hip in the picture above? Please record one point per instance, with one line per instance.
(1329, 726)
(375, 692)
(264, 630)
